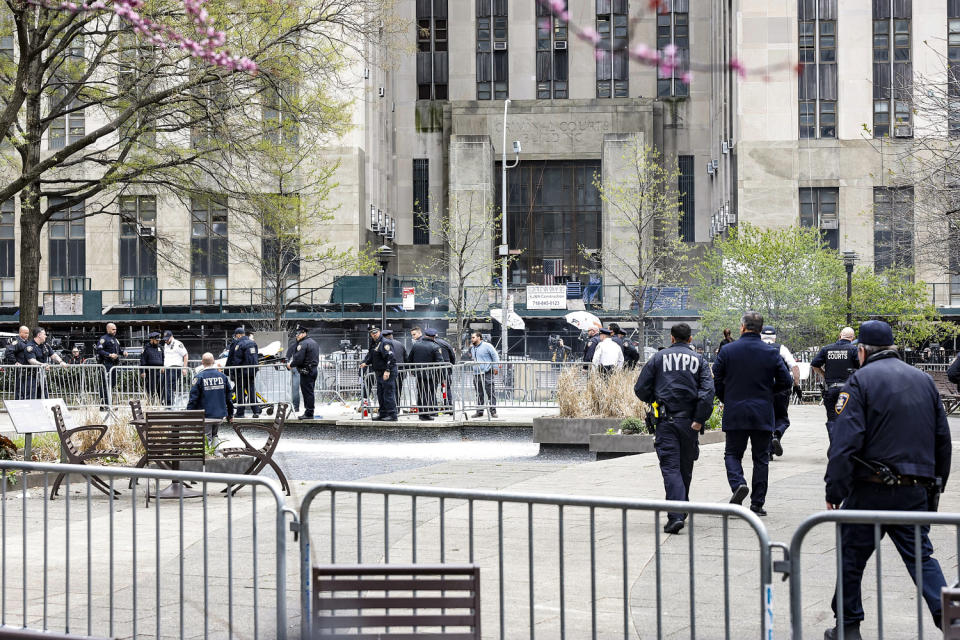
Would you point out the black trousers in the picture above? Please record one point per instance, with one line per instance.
(308, 380)
(151, 383)
(170, 380)
(858, 544)
(830, 395)
(486, 394)
(246, 392)
(677, 447)
(734, 449)
(781, 409)
(387, 394)
(426, 394)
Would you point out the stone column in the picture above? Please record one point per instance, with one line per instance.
(616, 153)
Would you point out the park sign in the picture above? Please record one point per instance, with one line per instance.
(547, 297)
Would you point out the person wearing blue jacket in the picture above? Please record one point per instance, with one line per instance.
(890, 447)
(746, 376)
(245, 355)
(211, 392)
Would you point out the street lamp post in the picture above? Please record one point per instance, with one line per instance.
(849, 259)
(505, 247)
(384, 254)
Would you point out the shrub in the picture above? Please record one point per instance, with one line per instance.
(632, 426)
(582, 394)
(716, 418)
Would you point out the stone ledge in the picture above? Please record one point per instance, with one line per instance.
(605, 446)
(557, 430)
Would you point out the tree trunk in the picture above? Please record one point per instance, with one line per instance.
(31, 220)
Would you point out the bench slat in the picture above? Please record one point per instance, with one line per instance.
(395, 602)
(388, 620)
(395, 584)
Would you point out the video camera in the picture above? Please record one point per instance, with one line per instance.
(554, 341)
(345, 345)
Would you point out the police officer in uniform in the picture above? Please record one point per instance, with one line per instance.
(306, 358)
(630, 354)
(593, 339)
(211, 392)
(381, 360)
(16, 354)
(426, 351)
(244, 355)
(679, 381)
(400, 353)
(38, 352)
(108, 354)
(152, 357)
(781, 401)
(450, 356)
(891, 445)
(834, 364)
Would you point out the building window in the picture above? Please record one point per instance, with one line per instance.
(492, 62)
(208, 248)
(6, 43)
(7, 250)
(818, 68)
(892, 227)
(552, 62)
(69, 127)
(953, 68)
(138, 249)
(67, 253)
(673, 28)
(818, 210)
(611, 55)
(892, 69)
(279, 121)
(685, 189)
(421, 201)
(432, 66)
(281, 253)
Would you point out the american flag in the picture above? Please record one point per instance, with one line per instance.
(552, 268)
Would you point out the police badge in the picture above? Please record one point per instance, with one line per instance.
(841, 402)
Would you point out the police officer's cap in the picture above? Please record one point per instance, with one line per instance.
(387, 332)
(301, 329)
(154, 335)
(239, 331)
(432, 333)
(768, 330)
(606, 332)
(876, 333)
(374, 329)
(167, 334)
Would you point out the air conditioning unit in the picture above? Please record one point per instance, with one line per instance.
(716, 166)
(380, 92)
(366, 73)
(499, 46)
(829, 223)
(724, 148)
(560, 44)
(902, 131)
(147, 232)
(709, 168)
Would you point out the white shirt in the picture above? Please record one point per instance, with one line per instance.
(608, 354)
(785, 354)
(173, 353)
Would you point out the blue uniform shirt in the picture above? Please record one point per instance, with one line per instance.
(838, 361)
(888, 412)
(380, 357)
(306, 356)
(746, 375)
(211, 392)
(151, 356)
(243, 352)
(679, 378)
(107, 345)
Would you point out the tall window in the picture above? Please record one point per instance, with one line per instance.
(818, 68)
(432, 66)
(685, 188)
(69, 127)
(421, 201)
(673, 27)
(612, 59)
(892, 68)
(138, 249)
(279, 121)
(67, 254)
(208, 248)
(953, 67)
(7, 250)
(136, 67)
(552, 62)
(818, 209)
(892, 227)
(6, 43)
(492, 63)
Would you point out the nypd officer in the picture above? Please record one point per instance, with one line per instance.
(380, 358)
(747, 375)
(426, 352)
(400, 353)
(211, 392)
(108, 354)
(244, 355)
(16, 354)
(152, 357)
(450, 356)
(593, 339)
(39, 352)
(306, 358)
(833, 364)
(891, 445)
(679, 381)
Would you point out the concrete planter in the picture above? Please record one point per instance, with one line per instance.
(237, 465)
(570, 431)
(606, 446)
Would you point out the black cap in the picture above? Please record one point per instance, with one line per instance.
(154, 334)
(876, 333)
(432, 333)
(374, 329)
(239, 331)
(387, 332)
(606, 332)
(301, 329)
(768, 330)
(167, 334)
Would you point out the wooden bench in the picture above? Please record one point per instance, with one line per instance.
(948, 391)
(76, 455)
(262, 456)
(397, 601)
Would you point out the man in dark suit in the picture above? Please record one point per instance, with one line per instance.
(426, 353)
(746, 375)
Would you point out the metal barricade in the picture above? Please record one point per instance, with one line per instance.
(348, 382)
(553, 566)
(79, 385)
(259, 386)
(88, 564)
(153, 386)
(514, 385)
(894, 622)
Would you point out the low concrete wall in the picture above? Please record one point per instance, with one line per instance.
(606, 446)
(570, 430)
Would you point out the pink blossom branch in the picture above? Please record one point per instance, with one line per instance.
(163, 36)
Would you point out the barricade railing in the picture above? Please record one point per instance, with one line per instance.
(153, 386)
(512, 385)
(257, 386)
(90, 565)
(80, 385)
(892, 622)
(555, 566)
(422, 389)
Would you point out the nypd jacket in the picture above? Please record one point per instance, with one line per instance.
(211, 392)
(425, 351)
(151, 356)
(888, 412)
(746, 375)
(380, 357)
(306, 356)
(680, 379)
(106, 346)
(243, 352)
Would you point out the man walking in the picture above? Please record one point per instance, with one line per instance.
(486, 359)
(781, 401)
(151, 362)
(108, 354)
(306, 359)
(174, 366)
(381, 360)
(891, 445)
(679, 381)
(834, 364)
(211, 392)
(746, 376)
(608, 355)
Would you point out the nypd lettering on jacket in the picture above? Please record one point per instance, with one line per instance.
(212, 383)
(673, 361)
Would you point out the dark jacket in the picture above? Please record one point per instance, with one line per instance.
(630, 354)
(953, 373)
(380, 357)
(151, 356)
(746, 375)
(15, 351)
(399, 352)
(888, 412)
(243, 352)
(425, 351)
(838, 361)
(449, 354)
(39, 352)
(590, 347)
(306, 356)
(679, 378)
(211, 392)
(107, 345)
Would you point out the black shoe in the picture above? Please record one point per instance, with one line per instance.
(390, 419)
(425, 417)
(256, 415)
(493, 414)
(305, 416)
(775, 445)
(478, 414)
(739, 494)
(851, 631)
(759, 510)
(673, 526)
(238, 415)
